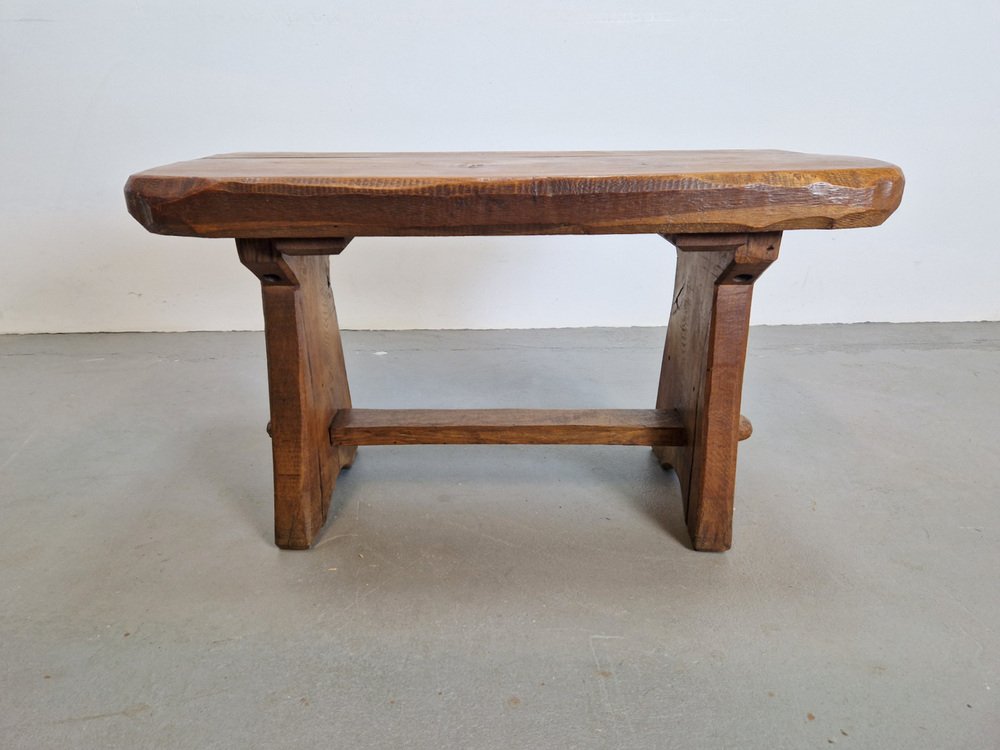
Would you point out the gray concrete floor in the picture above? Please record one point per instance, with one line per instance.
(501, 597)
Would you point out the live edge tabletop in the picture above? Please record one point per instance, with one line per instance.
(724, 211)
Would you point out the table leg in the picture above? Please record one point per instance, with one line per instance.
(702, 372)
(307, 381)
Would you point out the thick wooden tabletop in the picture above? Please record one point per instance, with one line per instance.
(278, 195)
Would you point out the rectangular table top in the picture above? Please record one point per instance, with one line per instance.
(279, 195)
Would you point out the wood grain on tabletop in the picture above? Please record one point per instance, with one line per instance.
(288, 195)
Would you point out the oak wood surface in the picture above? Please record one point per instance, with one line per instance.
(482, 193)
(307, 382)
(702, 372)
(311, 245)
(723, 210)
(507, 427)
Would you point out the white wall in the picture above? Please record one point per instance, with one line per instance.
(92, 91)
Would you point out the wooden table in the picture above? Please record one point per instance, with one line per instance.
(724, 211)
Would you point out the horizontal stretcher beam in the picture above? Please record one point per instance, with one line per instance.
(511, 427)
